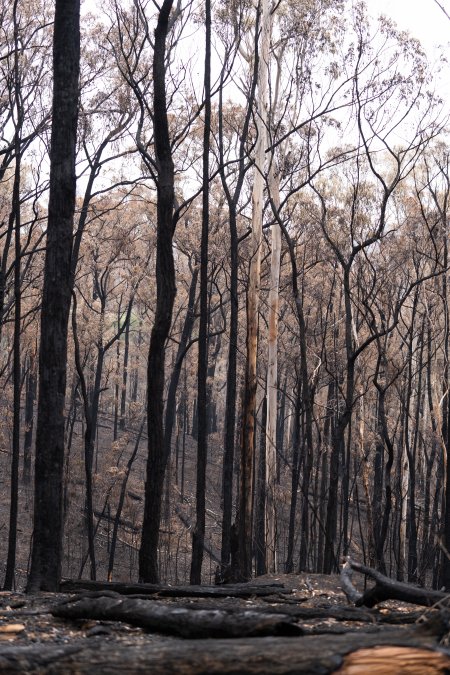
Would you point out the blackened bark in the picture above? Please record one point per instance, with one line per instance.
(45, 572)
(123, 489)
(198, 534)
(165, 297)
(231, 396)
(296, 440)
(260, 510)
(30, 396)
(380, 534)
(377, 493)
(185, 427)
(135, 373)
(446, 419)
(211, 412)
(307, 393)
(169, 419)
(90, 412)
(412, 454)
(328, 432)
(14, 491)
(338, 439)
(280, 428)
(117, 388)
(123, 394)
(427, 552)
(15, 210)
(230, 403)
(247, 459)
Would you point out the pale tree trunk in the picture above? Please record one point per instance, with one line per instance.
(272, 379)
(248, 430)
(364, 460)
(404, 511)
(366, 480)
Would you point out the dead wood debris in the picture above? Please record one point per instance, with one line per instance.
(244, 590)
(98, 630)
(309, 655)
(177, 620)
(386, 589)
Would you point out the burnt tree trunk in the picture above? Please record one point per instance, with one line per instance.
(170, 414)
(165, 298)
(123, 488)
(231, 396)
(30, 397)
(123, 393)
(296, 441)
(15, 215)
(46, 553)
(261, 496)
(198, 534)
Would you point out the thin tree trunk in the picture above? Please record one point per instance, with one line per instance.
(15, 208)
(261, 496)
(272, 380)
(231, 395)
(446, 417)
(412, 455)
(165, 298)
(281, 418)
(123, 393)
(198, 533)
(427, 543)
(30, 397)
(123, 489)
(186, 332)
(289, 565)
(117, 387)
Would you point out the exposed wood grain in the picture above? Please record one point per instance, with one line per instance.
(388, 660)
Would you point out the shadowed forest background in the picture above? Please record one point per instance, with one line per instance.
(257, 368)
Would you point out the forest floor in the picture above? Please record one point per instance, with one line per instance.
(322, 629)
(26, 619)
(304, 626)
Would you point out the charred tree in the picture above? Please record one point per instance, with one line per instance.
(45, 572)
(16, 219)
(198, 534)
(165, 298)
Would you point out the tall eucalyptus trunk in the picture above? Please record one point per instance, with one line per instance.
(46, 556)
(245, 512)
(272, 380)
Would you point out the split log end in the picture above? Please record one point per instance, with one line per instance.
(387, 660)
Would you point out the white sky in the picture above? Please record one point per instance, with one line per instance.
(422, 18)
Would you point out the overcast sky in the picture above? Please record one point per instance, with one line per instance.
(422, 18)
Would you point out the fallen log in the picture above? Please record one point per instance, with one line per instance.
(337, 612)
(251, 656)
(110, 518)
(243, 590)
(176, 620)
(385, 588)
